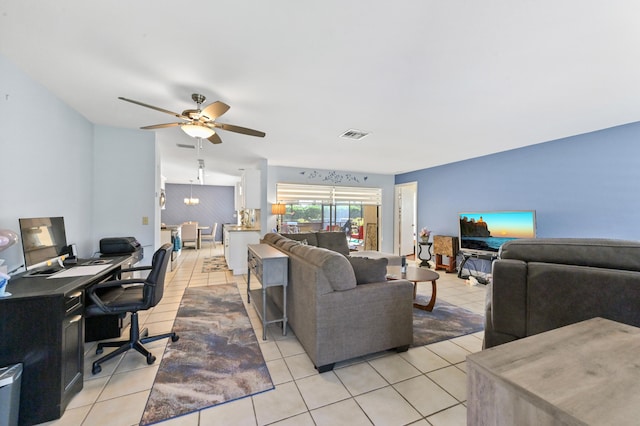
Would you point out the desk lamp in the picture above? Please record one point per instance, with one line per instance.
(7, 238)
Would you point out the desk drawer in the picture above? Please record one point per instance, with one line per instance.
(268, 264)
(255, 265)
(72, 302)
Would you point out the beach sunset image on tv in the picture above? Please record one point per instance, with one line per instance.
(487, 231)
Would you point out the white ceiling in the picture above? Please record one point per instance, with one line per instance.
(433, 81)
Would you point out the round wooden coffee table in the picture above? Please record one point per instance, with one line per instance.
(416, 275)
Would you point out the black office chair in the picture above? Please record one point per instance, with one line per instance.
(120, 296)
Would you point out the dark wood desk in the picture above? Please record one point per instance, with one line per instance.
(42, 327)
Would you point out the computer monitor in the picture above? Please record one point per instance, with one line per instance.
(43, 240)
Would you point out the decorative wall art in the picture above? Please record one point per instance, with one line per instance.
(333, 177)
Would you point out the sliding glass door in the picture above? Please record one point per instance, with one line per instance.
(311, 208)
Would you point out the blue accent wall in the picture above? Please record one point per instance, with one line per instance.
(581, 186)
(216, 205)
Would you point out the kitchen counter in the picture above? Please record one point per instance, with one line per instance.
(239, 228)
(236, 238)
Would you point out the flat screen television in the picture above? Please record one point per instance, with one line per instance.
(485, 232)
(43, 240)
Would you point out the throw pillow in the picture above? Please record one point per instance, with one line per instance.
(309, 236)
(369, 270)
(336, 241)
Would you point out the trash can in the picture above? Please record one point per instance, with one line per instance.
(10, 379)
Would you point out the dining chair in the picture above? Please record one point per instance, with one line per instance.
(190, 234)
(212, 236)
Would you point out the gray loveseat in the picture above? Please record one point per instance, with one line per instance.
(543, 284)
(333, 317)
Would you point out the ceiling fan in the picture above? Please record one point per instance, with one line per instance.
(200, 123)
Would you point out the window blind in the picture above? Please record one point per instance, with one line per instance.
(289, 193)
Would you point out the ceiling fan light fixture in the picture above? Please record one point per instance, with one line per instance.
(197, 130)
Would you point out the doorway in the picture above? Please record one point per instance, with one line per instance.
(405, 212)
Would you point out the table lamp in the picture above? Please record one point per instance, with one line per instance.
(278, 209)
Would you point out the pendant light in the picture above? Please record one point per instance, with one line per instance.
(191, 201)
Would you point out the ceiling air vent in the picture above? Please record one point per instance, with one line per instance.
(354, 134)
(184, 145)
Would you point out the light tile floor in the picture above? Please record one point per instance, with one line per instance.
(423, 386)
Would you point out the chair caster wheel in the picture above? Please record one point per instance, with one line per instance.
(151, 359)
(175, 338)
(99, 351)
(96, 369)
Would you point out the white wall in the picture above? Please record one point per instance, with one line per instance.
(54, 162)
(278, 174)
(126, 186)
(46, 152)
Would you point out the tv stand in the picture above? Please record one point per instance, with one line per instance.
(467, 256)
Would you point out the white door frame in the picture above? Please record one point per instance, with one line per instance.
(404, 232)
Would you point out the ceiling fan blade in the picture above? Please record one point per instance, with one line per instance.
(238, 129)
(166, 111)
(215, 110)
(214, 139)
(160, 126)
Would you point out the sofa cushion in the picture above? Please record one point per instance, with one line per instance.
(287, 245)
(336, 241)
(279, 241)
(594, 252)
(335, 267)
(369, 270)
(393, 259)
(309, 237)
(272, 238)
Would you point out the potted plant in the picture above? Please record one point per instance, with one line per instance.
(424, 235)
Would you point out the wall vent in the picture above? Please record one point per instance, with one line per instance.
(354, 134)
(183, 145)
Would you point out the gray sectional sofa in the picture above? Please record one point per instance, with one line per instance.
(543, 284)
(334, 317)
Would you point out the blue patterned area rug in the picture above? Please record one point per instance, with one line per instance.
(214, 264)
(217, 358)
(446, 321)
